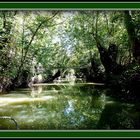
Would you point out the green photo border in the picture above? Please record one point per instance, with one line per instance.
(70, 6)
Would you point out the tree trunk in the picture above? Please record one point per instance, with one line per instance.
(56, 75)
(133, 39)
(108, 58)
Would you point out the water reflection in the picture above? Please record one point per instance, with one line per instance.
(66, 107)
(35, 91)
(70, 107)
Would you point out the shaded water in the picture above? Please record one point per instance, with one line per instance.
(51, 107)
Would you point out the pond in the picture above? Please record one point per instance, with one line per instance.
(65, 107)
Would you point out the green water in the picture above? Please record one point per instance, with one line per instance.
(62, 107)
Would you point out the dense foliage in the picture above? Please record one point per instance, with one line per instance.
(101, 46)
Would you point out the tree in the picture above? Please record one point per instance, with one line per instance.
(133, 39)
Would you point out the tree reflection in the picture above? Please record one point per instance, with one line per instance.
(73, 108)
(35, 91)
(117, 116)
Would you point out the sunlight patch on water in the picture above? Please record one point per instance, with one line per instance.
(6, 100)
(14, 95)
